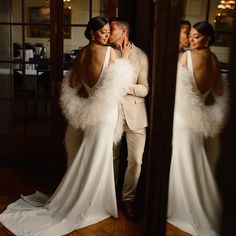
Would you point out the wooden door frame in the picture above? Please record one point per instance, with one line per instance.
(227, 162)
(164, 16)
(56, 45)
(34, 150)
(162, 48)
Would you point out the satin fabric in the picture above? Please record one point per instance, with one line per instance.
(194, 203)
(86, 194)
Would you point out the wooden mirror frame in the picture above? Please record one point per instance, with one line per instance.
(166, 18)
(161, 43)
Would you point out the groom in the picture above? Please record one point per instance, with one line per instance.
(185, 27)
(135, 115)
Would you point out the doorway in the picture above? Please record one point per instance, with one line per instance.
(41, 40)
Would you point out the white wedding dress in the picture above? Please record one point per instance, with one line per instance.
(194, 204)
(86, 194)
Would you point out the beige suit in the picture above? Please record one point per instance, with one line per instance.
(134, 103)
(135, 124)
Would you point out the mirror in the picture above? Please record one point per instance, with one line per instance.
(194, 200)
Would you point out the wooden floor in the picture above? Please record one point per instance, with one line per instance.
(18, 180)
(173, 231)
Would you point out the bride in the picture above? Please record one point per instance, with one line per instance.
(90, 100)
(194, 203)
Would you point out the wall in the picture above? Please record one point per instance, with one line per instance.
(195, 10)
(80, 15)
(17, 30)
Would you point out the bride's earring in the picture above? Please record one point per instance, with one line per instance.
(92, 36)
(206, 44)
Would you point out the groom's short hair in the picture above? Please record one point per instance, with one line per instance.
(121, 21)
(185, 22)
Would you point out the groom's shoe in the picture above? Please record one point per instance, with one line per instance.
(129, 211)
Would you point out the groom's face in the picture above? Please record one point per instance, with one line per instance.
(118, 33)
(184, 36)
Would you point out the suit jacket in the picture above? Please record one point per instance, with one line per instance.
(133, 103)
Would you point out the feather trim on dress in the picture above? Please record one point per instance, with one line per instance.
(205, 120)
(86, 112)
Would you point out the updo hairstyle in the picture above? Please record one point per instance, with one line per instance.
(94, 24)
(205, 29)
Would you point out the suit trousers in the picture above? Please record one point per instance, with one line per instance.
(135, 146)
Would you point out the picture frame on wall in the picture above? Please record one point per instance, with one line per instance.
(40, 20)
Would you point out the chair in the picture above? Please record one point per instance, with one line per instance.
(40, 50)
(22, 95)
(18, 84)
(44, 87)
(18, 80)
(44, 82)
(16, 50)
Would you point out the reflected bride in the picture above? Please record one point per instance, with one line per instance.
(194, 203)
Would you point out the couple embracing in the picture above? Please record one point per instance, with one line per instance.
(102, 97)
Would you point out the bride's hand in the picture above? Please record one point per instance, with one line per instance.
(210, 100)
(82, 92)
(73, 79)
(125, 49)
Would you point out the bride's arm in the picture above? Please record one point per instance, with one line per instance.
(218, 85)
(74, 78)
(218, 89)
(83, 92)
(125, 49)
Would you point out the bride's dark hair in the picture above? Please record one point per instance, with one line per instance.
(205, 29)
(94, 24)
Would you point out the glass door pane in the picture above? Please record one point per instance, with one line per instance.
(25, 79)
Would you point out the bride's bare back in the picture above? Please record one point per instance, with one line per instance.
(91, 63)
(88, 65)
(206, 70)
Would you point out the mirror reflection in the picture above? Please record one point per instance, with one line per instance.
(201, 109)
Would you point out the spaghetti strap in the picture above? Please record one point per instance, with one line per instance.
(106, 61)
(190, 68)
(107, 58)
(190, 62)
